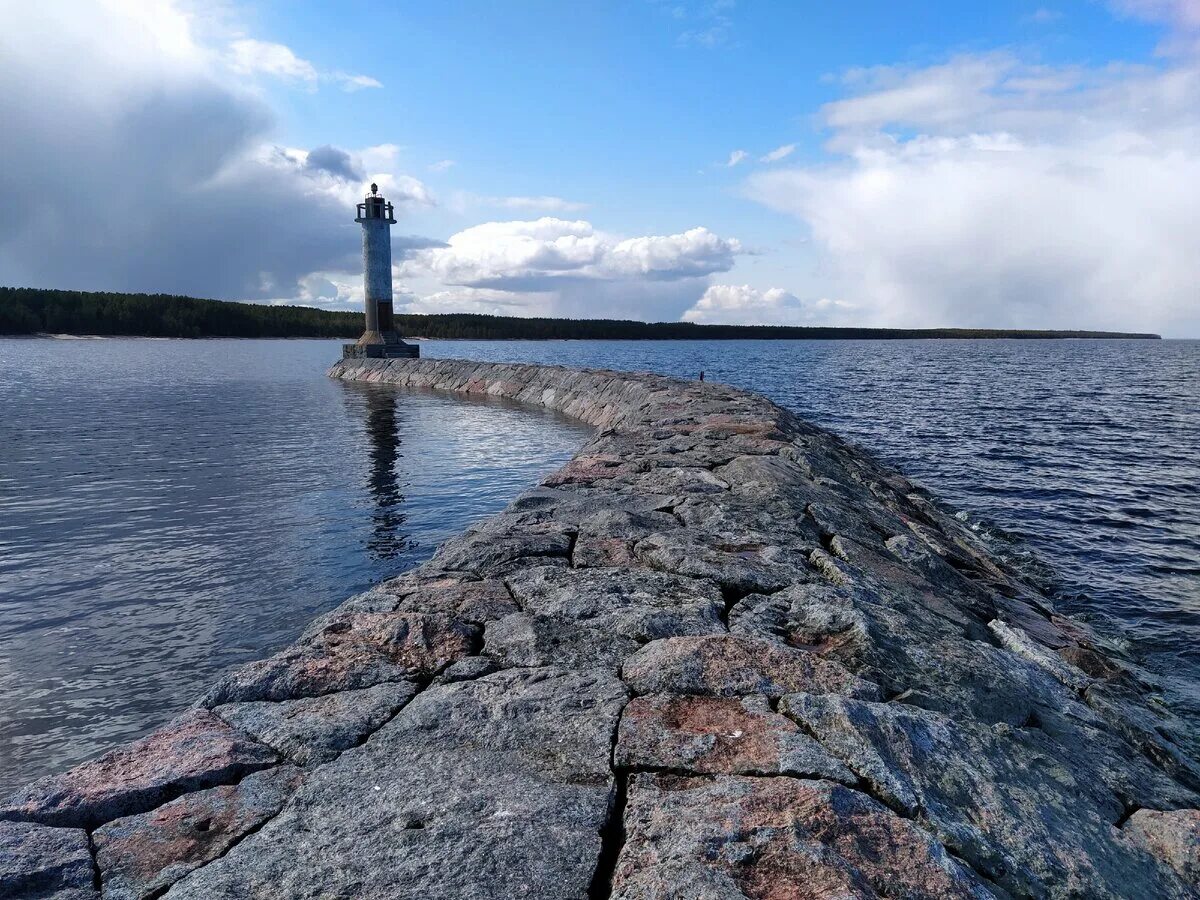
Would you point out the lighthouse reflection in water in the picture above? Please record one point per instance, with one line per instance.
(387, 539)
(186, 507)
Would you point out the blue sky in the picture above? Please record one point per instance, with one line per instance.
(612, 104)
(935, 163)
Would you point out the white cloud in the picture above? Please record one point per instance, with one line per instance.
(537, 253)
(464, 202)
(713, 36)
(379, 158)
(1181, 16)
(317, 289)
(740, 304)
(352, 83)
(403, 190)
(1043, 16)
(989, 192)
(779, 153)
(1180, 13)
(442, 165)
(929, 97)
(248, 56)
(736, 157)
(471, 300)
(542, 203)
(555, 266)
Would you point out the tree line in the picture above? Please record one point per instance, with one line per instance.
(26, 311)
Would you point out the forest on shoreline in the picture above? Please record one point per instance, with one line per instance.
(30, 311)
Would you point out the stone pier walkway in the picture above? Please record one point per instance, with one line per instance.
(718, 654)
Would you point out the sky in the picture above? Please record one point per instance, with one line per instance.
(1001, 164)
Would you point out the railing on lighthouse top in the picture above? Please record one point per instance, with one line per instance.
(376, 208)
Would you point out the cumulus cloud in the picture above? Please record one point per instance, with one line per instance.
(317, 289)
(741, 304)
(543, 250)
(778, 153)
(990, 192)
(157, 171)
(557, 266)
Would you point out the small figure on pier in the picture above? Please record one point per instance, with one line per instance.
(379, 340)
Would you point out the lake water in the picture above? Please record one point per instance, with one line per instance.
(171, 509)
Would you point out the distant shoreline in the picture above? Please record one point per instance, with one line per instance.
(44, 336)
(29, 312)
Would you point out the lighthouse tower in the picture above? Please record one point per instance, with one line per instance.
(379, 340)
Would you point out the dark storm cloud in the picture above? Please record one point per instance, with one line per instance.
(337, 163)
(143, 171)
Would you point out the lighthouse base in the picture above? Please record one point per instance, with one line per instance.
(396, 350)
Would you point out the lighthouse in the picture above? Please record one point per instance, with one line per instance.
(379, 340)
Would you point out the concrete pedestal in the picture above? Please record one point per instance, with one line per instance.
(392, 350)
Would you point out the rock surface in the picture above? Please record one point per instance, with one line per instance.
(316, 729)
(732, 838)
(493, 788)
(355, 651)
(732, 666)
(1173, 837)
(719, 735)
(140, 856)
(994, 795)
(597, 617)
(719, 654)
(195, 751)
(39, 861)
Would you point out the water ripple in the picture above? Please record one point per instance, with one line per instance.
(169, 510)
(1087, 452)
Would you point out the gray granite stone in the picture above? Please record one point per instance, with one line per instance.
(999, 797)
(762, 588)
(141, 856)
(314, 730)
(196, 750)
(719, 736)
(735, 838)
(733, 666)
(597, 617)
(37, 861)
(493, 788)
(351, 652)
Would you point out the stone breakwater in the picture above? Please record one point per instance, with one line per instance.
(718, 654)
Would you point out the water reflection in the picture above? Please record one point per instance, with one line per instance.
(172, 509)
(387, 539)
